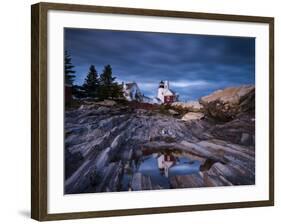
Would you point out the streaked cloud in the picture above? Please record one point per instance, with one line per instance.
(186, 83)
(195, 64)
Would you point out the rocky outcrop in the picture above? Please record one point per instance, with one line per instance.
(241, 130)
(192, 116)
(191, 106)
(173, 112)
(226, 104)
(104, 144)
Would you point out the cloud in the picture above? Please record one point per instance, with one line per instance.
(194, 64)
(185, 83)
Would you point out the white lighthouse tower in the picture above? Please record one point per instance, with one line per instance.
(160, 94)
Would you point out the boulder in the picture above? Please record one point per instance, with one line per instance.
(227, 175)
(192, 106)
(106, 103)
(173, 112)
(87, 106)
(192, 116)
(241, 130)
(226, 104)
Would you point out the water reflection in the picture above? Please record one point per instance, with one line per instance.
(149, 167)
(159, 167)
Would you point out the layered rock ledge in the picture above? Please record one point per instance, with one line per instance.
(104, 143)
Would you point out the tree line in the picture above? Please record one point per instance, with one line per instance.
(99, 86)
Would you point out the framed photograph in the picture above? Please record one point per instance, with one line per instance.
(139, 111)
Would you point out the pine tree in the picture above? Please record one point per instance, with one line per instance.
(68, 69)
(106, 82)
(117, 91)
(91, 83)
(106, 78)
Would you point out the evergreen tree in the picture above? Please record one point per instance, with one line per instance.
(106, 78)
(68, 69)
(109, 88)
(117, 91)
(91, 83)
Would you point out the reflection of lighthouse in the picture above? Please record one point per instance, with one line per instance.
(165, 94)
(165, 162)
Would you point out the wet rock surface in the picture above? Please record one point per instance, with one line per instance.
(106, 142)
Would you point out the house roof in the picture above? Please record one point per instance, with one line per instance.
(130, 85)
(168, 92)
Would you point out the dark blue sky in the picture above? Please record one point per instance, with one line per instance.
(195, 65)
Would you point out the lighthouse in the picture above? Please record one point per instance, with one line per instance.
(165, 94)
(160, 94)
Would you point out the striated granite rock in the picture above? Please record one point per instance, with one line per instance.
(186, 181)
(141, 182)
(104, 143)
(240, 130)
